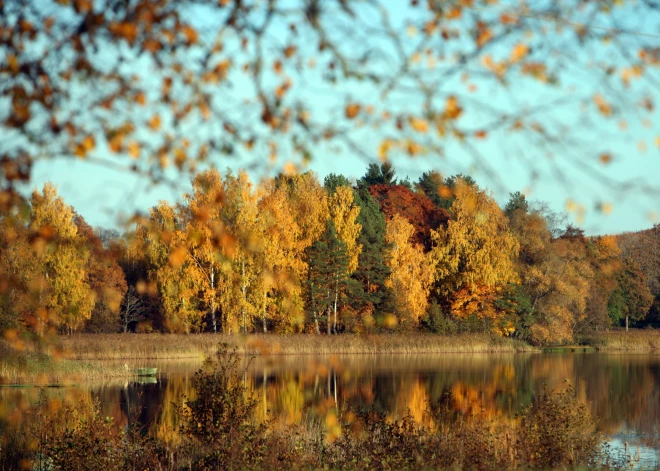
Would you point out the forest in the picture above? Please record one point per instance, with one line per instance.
(293, 254)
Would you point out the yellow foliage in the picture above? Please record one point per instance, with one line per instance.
(475, 253)
(412, 272)
(343, 213)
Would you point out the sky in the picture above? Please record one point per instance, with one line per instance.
(568, 177)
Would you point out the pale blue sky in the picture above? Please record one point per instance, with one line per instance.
(569, 172)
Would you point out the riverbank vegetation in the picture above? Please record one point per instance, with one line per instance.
(42, 368)
(172, 346)
(217, 429)
(292, 255)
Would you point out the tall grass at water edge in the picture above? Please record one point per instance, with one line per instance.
(173, 346)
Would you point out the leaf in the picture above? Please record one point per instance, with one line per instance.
(289, 51)
(191, 34)
(418, 124)
(481, 134)
(134, 149)
(383, 149)
(452, 108)
(352, 110)
(154, 122)
(603, 106)
(605, 158)
(454, 13)
(519, 52)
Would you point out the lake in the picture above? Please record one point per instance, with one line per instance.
(622, 390)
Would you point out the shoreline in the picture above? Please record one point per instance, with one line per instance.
(71, 359)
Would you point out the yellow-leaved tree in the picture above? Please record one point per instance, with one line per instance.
(208, 243)
(240, 212)
(283, 264)
(65, 297)
(344, 212)
(474, 254)
(171, 268)
(411, 274)
(307, 201)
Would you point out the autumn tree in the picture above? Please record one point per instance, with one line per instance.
(475, 254)
(105, 277)
(344, 212)
(632, 298)
(63, 262)
(20, 278)
(240, 214)
(603, 254)
(207, 243)
(412, 272)
(171, 268)
(416, 208)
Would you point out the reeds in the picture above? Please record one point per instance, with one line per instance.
(632, 341)
(29, 367)
(179, 346)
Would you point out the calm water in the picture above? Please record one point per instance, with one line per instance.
(623, 391)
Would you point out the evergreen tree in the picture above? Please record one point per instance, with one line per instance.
(430, 184)
(372, 270)
(517, 202)
(382, 174)
(333, 181)
(327, 278)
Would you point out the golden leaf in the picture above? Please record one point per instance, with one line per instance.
(454, 13)
(452, 108)
(289, 51)
(154, 122)
(484, 35)
(141, 98)
(481, 134)
(352, 110)
(163, 160)
(519, 52)
(418, 124)
(603, 106)
(14, 66)
(134, 149)
(190, 33)
(384, 148)
(508, 19)
(116, 143)
(605, 158)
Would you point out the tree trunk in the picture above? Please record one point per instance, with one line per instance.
(243, 289)
(316, 323)
(334, 327)
(213, 320)
(626, 323)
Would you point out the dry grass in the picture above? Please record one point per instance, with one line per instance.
(29, 367)
(631, 341)
(172, 346)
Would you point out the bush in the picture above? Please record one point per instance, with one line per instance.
(558, 431)
(221, 418)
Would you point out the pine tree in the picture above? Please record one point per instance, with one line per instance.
(327, 278)
(372, 271)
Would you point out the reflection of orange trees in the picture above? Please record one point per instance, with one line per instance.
(482, 398)
(413, 399)
(166, 426)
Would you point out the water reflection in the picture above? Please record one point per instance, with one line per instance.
(623, 390)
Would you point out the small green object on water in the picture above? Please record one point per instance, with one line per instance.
(147, 371)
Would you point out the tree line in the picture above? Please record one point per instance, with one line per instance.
(292, 254)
